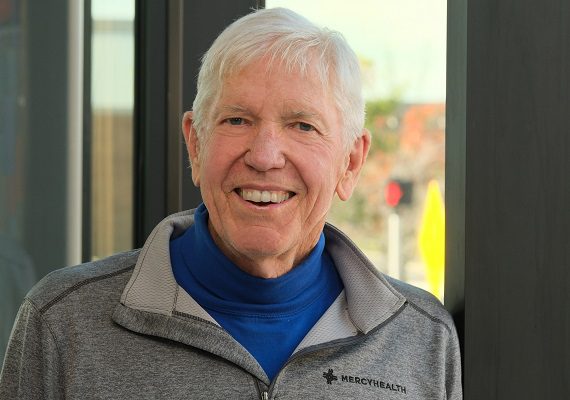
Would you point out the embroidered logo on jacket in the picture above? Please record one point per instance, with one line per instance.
(329, 376)
(359, 380)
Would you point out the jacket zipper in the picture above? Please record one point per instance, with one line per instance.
(264, 395)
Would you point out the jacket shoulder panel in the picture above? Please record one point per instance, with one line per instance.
(58, 284)
(424, 303)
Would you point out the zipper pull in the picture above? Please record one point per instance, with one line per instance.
(264, 396)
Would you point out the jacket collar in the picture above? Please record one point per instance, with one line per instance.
(371, 299)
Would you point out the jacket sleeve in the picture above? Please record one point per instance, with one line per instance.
(453, 378)
(31, 368)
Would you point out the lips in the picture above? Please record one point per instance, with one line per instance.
(264, 196)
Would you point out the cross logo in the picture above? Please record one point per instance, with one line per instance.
(329, 376)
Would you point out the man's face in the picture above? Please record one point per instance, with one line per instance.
(270, 167)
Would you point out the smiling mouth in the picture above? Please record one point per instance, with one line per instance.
(264, 197)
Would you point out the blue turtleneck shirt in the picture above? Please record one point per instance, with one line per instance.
(269, 317)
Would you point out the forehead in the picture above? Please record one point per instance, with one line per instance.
(263, 81)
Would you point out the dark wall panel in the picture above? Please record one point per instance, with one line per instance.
(151, 82)
(45, 194)
(517, 200)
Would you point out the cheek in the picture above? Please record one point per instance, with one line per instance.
(218, 162)
(214, 152)
(325, 179)
(321, 179)
(322, 171)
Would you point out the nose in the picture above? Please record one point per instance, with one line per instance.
(265, 150)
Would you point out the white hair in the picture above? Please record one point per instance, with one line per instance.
(286, 38)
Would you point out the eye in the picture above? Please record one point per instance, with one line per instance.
(303, 126)
(235, 121)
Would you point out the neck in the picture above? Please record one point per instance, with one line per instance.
(263, 265)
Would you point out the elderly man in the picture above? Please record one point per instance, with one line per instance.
(252, 295)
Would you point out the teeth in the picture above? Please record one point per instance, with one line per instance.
(263, 196)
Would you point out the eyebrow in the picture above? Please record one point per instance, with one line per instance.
(312, 117)
(300, 115)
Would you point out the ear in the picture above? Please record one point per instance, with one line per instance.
(356, 158)
(192, 145)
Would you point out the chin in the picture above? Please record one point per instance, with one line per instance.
(259, 247)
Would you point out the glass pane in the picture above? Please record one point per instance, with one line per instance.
(396, 215)
(112, 74)
(36, 213)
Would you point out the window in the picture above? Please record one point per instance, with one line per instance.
(42, 140)
(40, 146)
(112, 95)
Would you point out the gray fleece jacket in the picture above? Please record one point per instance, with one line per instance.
(121, 328)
